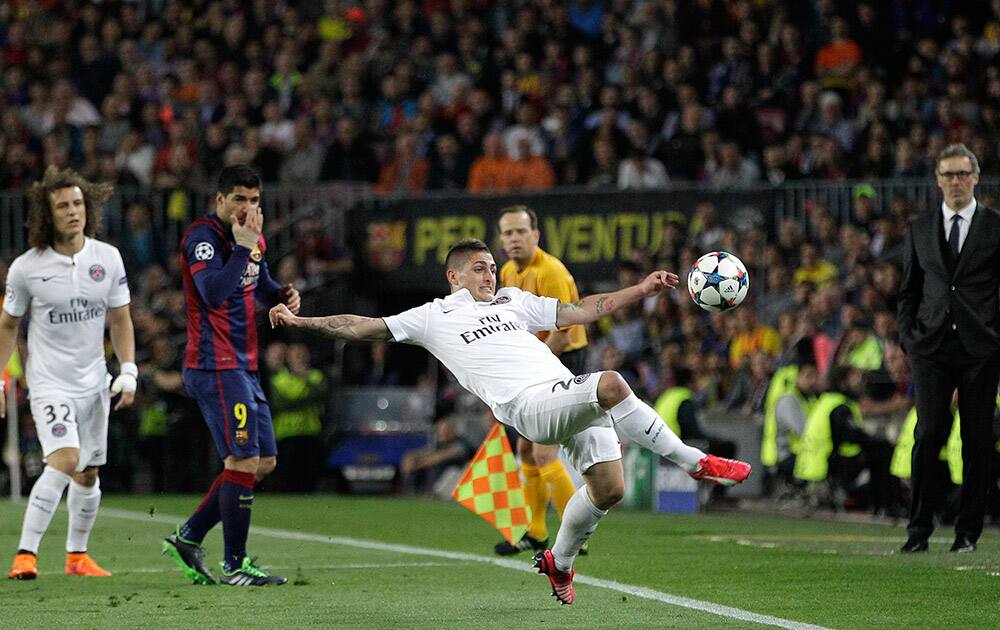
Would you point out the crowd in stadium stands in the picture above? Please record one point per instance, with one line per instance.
(485, 96)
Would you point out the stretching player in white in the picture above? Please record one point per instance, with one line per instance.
(484, 337)
(72, 283)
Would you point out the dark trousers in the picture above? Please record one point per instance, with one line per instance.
(935, 379)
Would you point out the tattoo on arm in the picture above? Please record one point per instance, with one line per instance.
(352, 327)
(605, 305)
(571, 306)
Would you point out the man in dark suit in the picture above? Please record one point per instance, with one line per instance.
(949, 324)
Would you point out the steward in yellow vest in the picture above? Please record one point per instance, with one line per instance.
(951, 452)
(817, 444)
(834, 444)
(679, 410)
(298, 396)
(792, 389)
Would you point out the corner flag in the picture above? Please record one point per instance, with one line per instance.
(491, 487)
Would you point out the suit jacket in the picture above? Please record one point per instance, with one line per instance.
(938, 292)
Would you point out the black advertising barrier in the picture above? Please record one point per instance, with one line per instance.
(402, 243)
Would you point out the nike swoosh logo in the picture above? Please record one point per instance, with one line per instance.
(651, 427)
(47, 279)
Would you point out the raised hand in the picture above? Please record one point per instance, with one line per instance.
(247, 232)
(280, 315)
(657, 281)
(289, 296)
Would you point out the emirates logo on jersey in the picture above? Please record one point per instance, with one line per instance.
(97, 273)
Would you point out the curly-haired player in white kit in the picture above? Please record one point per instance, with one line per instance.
(485, 338)
(70, 283)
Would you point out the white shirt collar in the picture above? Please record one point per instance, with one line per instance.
(966, 213)
(459, 298)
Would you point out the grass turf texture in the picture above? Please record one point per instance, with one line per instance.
(836, 575)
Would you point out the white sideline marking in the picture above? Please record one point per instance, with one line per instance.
(318, 567)
(628, 589)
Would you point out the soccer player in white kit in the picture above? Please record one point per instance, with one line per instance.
(484, 337)
(71, 284)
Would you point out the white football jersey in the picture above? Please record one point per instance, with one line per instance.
(69, 297)
(488, 346)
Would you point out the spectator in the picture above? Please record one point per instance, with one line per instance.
(528, 171)
(838, 60)
(350, 157)
(489, 172)
(641, 171)
(816, 271)
(734, 170)
(752, 337)
(406, 173)
(448, 171)
(303, 163)
(143, 244)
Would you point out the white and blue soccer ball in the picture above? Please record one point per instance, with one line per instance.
(718, 281)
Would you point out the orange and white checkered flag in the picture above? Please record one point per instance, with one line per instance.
(491, 487)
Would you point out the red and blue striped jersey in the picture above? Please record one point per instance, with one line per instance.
(222, 281)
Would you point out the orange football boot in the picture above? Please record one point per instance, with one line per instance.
(24, 567)
(82, 564)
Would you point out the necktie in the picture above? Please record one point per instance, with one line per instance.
(953, 234)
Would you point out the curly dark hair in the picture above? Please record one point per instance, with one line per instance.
(40, 231)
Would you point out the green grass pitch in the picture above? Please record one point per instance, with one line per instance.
(402, 563)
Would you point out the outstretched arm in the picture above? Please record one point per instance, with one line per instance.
(350, 327)
(593, 307)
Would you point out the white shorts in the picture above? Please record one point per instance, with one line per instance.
(64, 422)
(565, 412)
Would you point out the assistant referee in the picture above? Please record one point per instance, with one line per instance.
(534, 270)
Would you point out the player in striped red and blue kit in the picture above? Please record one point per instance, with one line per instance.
(224, 273)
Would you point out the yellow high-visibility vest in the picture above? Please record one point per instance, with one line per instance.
(813, 460)
(669, 403)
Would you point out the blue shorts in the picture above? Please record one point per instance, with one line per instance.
(235, 410)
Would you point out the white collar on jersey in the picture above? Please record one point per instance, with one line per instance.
(71, 259)
(457, 299)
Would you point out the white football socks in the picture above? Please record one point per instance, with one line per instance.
(82, 502)
(579, 520)
(42, 504)
(636, 421)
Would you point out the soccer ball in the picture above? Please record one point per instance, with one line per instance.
(718, 282)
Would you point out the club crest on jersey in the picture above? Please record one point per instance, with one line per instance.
(97, 273)
(503, 299)
(204, 251)
(242, 437)
(580, 379)
(59, 429)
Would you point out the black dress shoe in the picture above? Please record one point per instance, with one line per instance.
(963, 545)
(914, 545)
